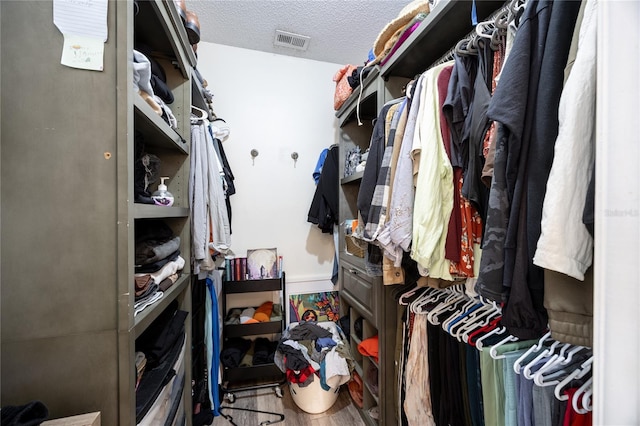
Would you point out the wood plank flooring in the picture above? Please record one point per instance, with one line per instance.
(342, 413)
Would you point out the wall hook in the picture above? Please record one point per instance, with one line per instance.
(254, 154)
(294, 155)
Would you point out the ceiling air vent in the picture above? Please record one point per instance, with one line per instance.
(291, 40)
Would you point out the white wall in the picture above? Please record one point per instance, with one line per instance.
(277, 105)
(616, 339)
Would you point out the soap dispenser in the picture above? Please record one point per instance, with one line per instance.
(162, 197)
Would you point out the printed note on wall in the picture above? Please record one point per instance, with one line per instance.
(83, 23)
(83, 52)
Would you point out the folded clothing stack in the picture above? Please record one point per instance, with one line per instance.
(239, 352)
(158, 262)
(267, 312)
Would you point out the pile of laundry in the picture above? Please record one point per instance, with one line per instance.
(309, 350)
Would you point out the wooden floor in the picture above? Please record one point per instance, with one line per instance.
(342, 413)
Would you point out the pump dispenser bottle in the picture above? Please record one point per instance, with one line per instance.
(162, 197)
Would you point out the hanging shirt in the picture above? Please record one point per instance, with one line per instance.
(525, 102)
(565, 245)
(434, 184)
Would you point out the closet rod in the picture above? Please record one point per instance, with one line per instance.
(508, 7)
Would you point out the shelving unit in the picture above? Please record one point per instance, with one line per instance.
(68, 211)
(238, 379)
(363, 295)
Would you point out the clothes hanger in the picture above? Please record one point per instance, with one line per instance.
(493, 325)
(587, 399)
(478, 319)
(479, 327)
(539, 376)
(457, 314)
(445, 306)
(494, 349)
(526, 372)
(577, 374)
(517, 367)
(203, 114)
(467, 315)
(582, 390)
(409, 293)
(496, 331)
(429, 297)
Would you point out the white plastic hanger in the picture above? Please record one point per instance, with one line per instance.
(480, 341)
(429, 296)
(460, 311)
(494, 349)
(482, 318)
(578, 373)
(578, 396)
(479, 309)
(535, 348)
(526, 372)
(445, 306)
(408, 293)
(203, 114)
(564, 358)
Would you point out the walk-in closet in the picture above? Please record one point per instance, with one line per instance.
(319, 212)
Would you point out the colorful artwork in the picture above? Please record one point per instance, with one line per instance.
(323, 306)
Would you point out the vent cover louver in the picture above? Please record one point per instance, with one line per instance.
(291, 40)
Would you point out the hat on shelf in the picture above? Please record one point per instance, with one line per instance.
(192, 26)
(392, 31)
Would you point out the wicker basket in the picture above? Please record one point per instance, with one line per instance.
(355, 246)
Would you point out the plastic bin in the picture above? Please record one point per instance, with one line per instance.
(313, 399)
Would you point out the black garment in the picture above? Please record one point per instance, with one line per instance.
(146, 170)
(151, 251)
(354, 78)
(457, 105)
(263, 351)
(158, 75)
(293, 358)
(324, 207)
(588, 214)
(474, 386)
(476, 127)
(156, 266)
(308, 331)
(435, 370)
(158, 339)
(152, 230)
(30, 414)
(153, 380)
(228, 177)
(235, 348)
(526, 102)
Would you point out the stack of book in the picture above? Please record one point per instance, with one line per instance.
(259, 264)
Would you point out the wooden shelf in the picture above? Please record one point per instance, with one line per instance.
(248, 286)
(354, 178)
(197, 96)
(368, 100)
(151, 211)
(157, 132)
(159, 26)
(443, 27)
(147, 316)
(238, 330)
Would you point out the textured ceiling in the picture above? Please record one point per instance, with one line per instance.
(341, 31)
